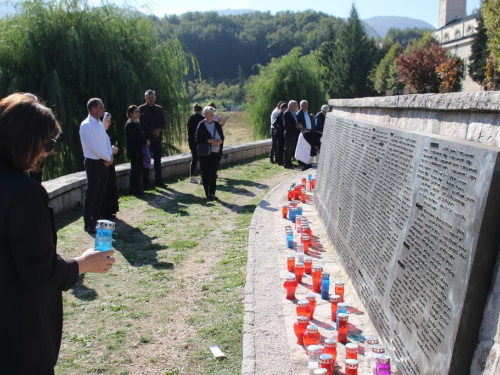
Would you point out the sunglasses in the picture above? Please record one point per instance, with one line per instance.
(49, 146)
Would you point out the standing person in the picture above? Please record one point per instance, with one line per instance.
(153, 123)
(274, 146)
(217, 118)
(109, 206)
(279, 133)
(32, 274)
(192, 124)
(98, 157)
(319, 119)
(304, 117)
(292, 127)
(210, 132)
(136, 141)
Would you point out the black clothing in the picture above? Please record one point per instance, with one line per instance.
(152, 118)
(136, 140)
(209, 164)
(32, 278)
(313, 138)
(97, 182)
(301, 119)
(291, 136)
(155, 151)
(192, 124)
(109, 206)
(320, 119)
(194, 161)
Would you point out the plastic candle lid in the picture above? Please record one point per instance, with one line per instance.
(303, 303)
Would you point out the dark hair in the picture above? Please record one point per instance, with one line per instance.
(197, 107)
(284, 105)
(26, 126)
(280, 103)
(92, 103)
(211, 104)
(131, 109)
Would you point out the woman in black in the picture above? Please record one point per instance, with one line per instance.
(110, 205)
(192, 124)
(279, 134)
(136, 140)
(32, 275)
(209, 132)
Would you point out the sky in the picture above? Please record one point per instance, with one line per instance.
(426, 10)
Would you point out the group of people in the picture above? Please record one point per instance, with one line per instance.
(287, 124)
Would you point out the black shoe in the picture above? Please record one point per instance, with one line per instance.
(306, 167)
(161, 184)
(288, 166)
(210, 198)
(214, 198)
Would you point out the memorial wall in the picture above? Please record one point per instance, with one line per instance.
(414, 218)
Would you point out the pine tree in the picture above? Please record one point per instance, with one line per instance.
(490, 11)
(352, 61)
(479, 53)
(386, 74)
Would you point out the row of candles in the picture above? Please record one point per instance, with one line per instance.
(307, 333)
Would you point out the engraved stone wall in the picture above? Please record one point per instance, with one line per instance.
(414, 218)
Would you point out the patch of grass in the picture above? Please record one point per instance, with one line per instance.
(146, 339)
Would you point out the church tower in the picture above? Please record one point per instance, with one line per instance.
(450, 10)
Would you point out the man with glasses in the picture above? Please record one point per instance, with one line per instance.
(152, 123)
(98, 157)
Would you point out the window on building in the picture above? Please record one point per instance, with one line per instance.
(446, 37)
(458, 34)
(470, 29)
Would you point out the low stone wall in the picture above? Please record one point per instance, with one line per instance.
(68, 191)
(464, 116)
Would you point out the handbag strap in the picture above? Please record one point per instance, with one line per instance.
(215, 129)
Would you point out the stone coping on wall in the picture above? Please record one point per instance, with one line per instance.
(67, 191)
(463, 101)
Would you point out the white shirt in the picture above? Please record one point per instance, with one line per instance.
(275, 114)
(95, 140)
(307, 119)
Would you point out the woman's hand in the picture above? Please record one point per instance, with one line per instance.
(95, 261)
(114, 150)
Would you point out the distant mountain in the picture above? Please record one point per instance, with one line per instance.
(233, 12)
(370, 30)
(382, 24)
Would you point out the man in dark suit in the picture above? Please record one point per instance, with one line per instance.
(292, 128)
(304, 117)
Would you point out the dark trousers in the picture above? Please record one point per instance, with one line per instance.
(97, 182)
(136, 168)
(155, 149)
(273, 154)
(209, 165)
(280, 148)
(289, 152)
(194, 161)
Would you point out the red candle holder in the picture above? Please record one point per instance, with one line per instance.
(290, 286)
(299, 327)
(351, 351)
(339, 289)
(331, 348)
(312, 336)
(313, 184)
(308, 262)
(299, 271)
(303, 195)
(307, 229)
(326, 361)
(334, 300)
(303, 308)
(351, 367)
(303, 181)
(317, 271)
(342, 334)
(290, 194)
(306, 240)
(296, 193)
(284, 211)
(290, 263)
(312, 303)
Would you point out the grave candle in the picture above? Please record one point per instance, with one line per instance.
(341, 308)
(306, 229)
(303, 195)
(339, 289)
(312, 358)
(293, 214)
(298, 219)
(290, 263)
(284, 211)
(299, 271)
(309, 177)
(312, 336)
(299, 210)
(331, 348)
(299, 327)
(303, 181)
(325, 286)
(377, 350)
(342, 328)
(383, 366)
(289, 239)
(312, 303)
(308, 261)
(306, 241)
(326, 362)
(369, 341)
(313, 183)
(351, 351)
(317, 270)
(291, 286)
(303, 308)
(290, 194)
(321, 371)
(351, 367)
(300, 253)
(334, 300)
(296, 192)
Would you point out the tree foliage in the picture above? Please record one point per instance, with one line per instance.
(68, 51)
(386, 74)
(426, 67)
(354, 56)
(395, 35)
(479, 53)
(291, 77)
(490, 11)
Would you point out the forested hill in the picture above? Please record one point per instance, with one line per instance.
(223, 43)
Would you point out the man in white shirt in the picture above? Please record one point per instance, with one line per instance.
(98, 157)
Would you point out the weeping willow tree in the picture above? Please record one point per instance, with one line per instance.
(67, 51)
(291, 77)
